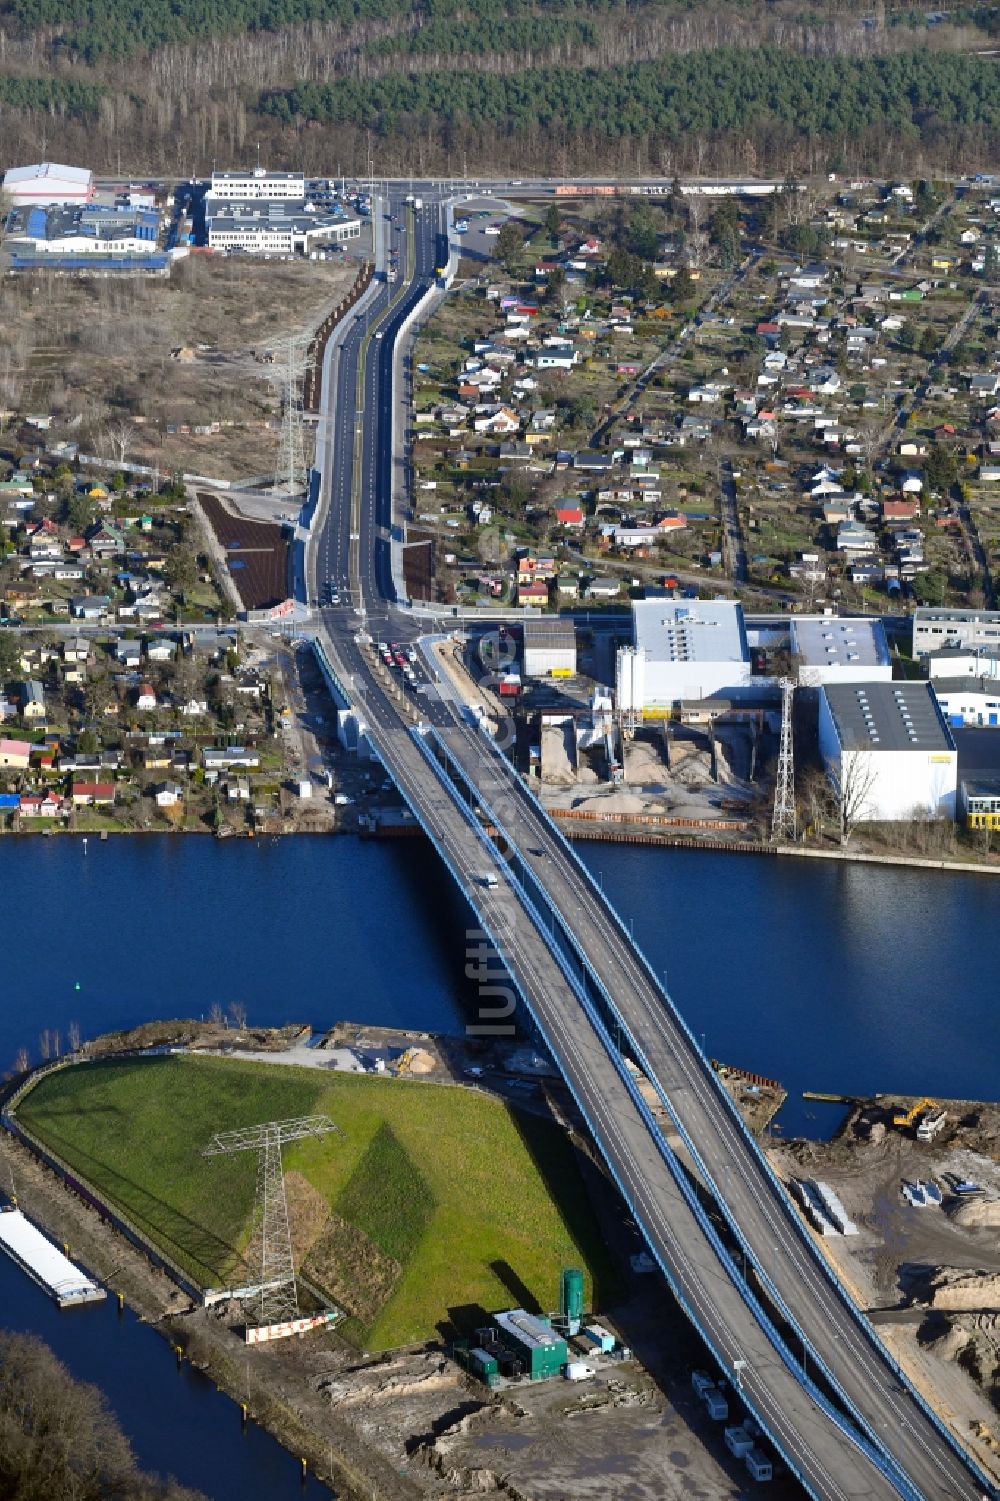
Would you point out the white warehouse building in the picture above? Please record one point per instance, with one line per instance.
(682, 650)
(45, 183)
(549, 648)
(830, 650)
(969, 701)
(888, 750)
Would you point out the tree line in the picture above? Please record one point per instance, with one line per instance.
(725, 89)
(59, 1440)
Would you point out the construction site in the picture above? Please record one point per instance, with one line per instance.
(905, 1202)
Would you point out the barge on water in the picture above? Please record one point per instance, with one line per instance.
(44, 1262)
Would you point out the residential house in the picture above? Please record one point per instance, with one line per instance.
(32, 700)
(90, 606)
(226, 758)
(168, 795)
(128, 650)
(40, 805)
(568, 586)
(532, 592)
(15, 754)
(92, 794)
(161, 650)
(570, 516)
(145, 698)
(604, 588)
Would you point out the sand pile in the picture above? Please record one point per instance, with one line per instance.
(977, 1214)
(955, 1290)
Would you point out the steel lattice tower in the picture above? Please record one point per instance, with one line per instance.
(783, 819)
(269, 1252)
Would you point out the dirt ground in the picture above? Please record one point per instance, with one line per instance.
(183, 352)
(928, 1276)
(679, 777)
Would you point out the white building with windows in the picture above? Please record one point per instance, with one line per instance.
(681, 650)
(888, 750)
(969, 701)
(279, 227)
(934, 628)
(245, 187)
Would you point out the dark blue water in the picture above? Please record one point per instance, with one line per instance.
(179, 1424)
(827, 976)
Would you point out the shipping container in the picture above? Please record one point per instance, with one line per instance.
(483, 1365)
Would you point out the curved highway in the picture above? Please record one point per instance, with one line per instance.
(881, 1442)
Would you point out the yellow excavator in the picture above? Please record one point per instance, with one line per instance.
(910, 1117)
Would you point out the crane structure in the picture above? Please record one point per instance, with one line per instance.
(783, 818)
(272, 1296)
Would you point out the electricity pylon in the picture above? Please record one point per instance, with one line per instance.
(783, 819)
(273, 1296)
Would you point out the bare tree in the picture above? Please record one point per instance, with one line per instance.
(852, 784)
(238, 1014)
(73, 1036)
(215, 1014)
(21, 1061)
(120, 437)
(45, 1045)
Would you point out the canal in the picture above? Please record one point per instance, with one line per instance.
(827, 976)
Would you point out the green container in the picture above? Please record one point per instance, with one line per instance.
(483, 1365)
(571, 1294)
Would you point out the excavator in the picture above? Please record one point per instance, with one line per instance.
(909, 1118)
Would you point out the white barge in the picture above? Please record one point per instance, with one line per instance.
(44, 1262)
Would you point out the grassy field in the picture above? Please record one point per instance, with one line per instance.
(430, 1205)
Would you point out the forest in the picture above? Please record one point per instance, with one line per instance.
(556, 86)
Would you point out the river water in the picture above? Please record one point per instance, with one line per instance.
(824, 975)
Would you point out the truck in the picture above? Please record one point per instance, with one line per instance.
(418, 204)
(758, 1465)
(715, 1403)
(738, 1441)
(489, 880)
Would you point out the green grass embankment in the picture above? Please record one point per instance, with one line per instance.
(429, 1204)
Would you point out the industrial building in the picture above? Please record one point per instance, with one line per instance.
(682, 650)
(888, 750)
(980, 802)
(829, 650)
(549, 648)
(969, 701)
(235, 187)
(268, 213)
(48, 183)
(936, 628)
(541, 1351)
(88, 230)
(962, 661)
